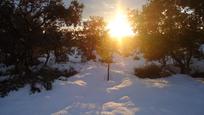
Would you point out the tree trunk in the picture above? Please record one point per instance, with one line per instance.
(182, 67)
(108, 77)
(185, 69)
(47, 58)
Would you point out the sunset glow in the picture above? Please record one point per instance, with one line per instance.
(119, 27)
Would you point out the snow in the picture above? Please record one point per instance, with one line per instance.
(121, 85)
(202, 48)
(75, 55)
(79, 83)
(51, 60)
(61, 66)
(198, 65)
(3, 70)
(88, 93)
(74, 61)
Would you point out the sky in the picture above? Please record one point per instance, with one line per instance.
(106, 8)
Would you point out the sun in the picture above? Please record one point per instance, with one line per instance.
(119, 27)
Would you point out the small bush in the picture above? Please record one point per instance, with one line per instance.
(37, 81)
(198, 75)
(46, 76)
(151, 71)
(136, 57)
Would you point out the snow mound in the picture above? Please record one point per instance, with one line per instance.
(159, 83)
(79, 83)
(123, 84)
(119, 108)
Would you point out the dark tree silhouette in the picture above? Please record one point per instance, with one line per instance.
(30, 28)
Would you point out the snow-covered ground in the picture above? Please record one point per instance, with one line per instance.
(88, 93)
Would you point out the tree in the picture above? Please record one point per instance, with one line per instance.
(166, 29)
(93, 33)
(33, 25)
(105, 50)
(30, 28)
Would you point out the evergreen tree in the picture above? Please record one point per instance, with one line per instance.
(30, 28)
(93, 31)
(166, 29)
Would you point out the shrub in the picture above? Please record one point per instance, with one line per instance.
(136, 57)
(198, 75)
(37, 80)
(151, 71)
